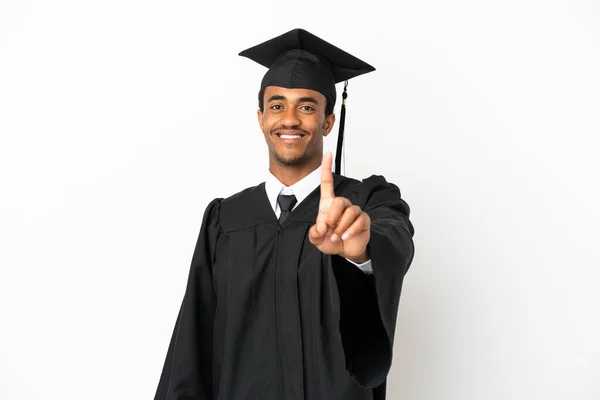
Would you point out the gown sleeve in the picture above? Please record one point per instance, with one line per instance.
(187, 371)
(369, 302)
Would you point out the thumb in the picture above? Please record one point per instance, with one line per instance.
(315, 237)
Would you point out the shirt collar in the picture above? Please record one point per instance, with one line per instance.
(300, 189)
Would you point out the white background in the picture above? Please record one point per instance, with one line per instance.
(120, 121)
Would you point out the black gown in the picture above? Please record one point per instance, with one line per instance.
(267, 316)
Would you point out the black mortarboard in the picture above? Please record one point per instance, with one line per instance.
(299, 59)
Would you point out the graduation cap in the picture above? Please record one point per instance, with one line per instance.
(300, 60)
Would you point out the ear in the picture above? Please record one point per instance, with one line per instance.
(259, 114)
(328, 125)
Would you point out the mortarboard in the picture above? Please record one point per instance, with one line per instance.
(299, 59)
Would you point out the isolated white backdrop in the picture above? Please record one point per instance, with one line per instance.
(120, 121)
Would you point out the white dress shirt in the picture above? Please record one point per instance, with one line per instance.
(301, 190)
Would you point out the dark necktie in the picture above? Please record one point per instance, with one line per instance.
(286, 203)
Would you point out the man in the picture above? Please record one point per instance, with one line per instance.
(294, 284)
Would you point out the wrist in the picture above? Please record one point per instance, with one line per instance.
(362, 258)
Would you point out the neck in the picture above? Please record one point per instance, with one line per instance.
(290, 174)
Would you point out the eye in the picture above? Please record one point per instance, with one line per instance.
(307, 108)
(276, 107)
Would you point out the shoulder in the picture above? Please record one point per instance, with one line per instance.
(372, 193)
(365, 188)
(242, 198)
(242, 209)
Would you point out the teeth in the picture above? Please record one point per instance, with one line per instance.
(290, 136)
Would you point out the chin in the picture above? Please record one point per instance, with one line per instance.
(290, 160)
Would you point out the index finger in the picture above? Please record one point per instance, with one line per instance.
(327, 177)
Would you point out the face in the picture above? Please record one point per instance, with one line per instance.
(294, 124)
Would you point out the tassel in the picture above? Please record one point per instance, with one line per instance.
(340, 141)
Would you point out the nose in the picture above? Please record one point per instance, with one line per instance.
(290, 117)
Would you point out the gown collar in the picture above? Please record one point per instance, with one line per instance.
(300, 189)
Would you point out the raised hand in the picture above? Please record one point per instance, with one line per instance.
(341, 228)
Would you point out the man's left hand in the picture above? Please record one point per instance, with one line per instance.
(341, 228)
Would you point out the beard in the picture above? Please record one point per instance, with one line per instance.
(289, 160)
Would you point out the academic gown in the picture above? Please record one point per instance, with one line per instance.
(267, 316)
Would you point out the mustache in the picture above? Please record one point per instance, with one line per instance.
(283, 128)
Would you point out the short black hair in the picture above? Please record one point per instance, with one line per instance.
(261, 103)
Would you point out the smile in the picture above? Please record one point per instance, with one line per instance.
(283, 136)
(290, 135)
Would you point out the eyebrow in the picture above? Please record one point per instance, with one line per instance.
(275, 98)
(301, 100)
(308, 100)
